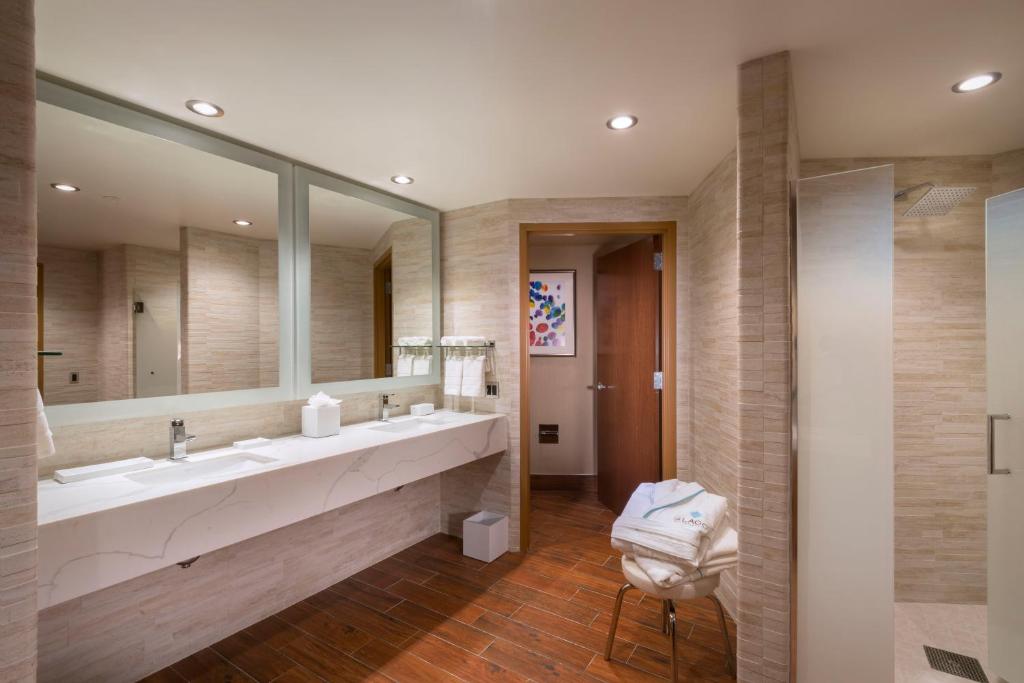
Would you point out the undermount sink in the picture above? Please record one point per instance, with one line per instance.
(235, 463)
(442, 419)
(399, 427)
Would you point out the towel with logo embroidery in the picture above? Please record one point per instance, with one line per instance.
(671, 517)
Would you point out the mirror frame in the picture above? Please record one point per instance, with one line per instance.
(293, 180)
(304, 178)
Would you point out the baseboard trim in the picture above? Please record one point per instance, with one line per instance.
(563, 482)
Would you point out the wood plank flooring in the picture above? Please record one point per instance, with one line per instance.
(431, 614)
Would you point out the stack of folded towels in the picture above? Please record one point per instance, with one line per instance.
(675, 532)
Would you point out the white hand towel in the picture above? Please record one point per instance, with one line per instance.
(44, 437)
(473, 383)
(452, 376)
(463, 340)
(413, 341)
(403, 366)
(421, 365)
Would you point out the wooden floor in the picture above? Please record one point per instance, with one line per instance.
(431, 614)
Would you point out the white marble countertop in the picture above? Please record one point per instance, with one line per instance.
(96, 533)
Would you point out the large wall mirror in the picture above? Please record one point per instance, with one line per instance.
(368, 269)
(164, 259)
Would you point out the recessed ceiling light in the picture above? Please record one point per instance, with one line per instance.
(401, 180)
(64, 187)
(622, 122)
(204, 108)
(242, 222)
(977, 82)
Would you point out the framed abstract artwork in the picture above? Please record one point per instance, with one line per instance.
(552, 312)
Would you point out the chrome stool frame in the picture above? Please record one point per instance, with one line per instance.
(669, 627)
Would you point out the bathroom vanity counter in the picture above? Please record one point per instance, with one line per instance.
(96, 533)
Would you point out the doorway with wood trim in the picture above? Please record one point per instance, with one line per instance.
(598, 409)
(383, 363)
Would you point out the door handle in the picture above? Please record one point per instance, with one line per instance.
(991, 439)
(600, 387)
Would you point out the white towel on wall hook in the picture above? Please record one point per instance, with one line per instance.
(452, 376)
(404, 365)
(473, 376)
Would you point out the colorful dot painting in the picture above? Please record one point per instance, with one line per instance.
(551, 296)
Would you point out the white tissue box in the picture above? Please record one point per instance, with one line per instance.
(321, 421)
(421, 409)
(485, 536)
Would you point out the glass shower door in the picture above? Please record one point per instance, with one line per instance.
(1004, 224)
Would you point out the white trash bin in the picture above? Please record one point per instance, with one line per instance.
(485, 536)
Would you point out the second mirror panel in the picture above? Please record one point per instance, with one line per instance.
(371, 296)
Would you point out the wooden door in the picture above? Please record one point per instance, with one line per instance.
(627, 302)
(382, 322)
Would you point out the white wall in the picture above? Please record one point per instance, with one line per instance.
(845, 551)
(558, 385)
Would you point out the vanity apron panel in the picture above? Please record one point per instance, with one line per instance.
(98, 533)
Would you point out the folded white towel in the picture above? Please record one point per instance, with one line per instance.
(421, 365)
(473, 378)
(413, 341)
(452, 376)
(676, 528)
(721, 554)
(44, 437)
(463, 340)
(403, 365)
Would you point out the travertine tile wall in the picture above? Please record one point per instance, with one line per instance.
(115, 327)
(939, 375)
(480, 292)
(341, 316)
(71, 302)
(1007, 172)
(269, 330)
(220, 311)
(130, 630)
(411, 276)
(17, 343)
(767, 161)
(714, 340)
(89, 443)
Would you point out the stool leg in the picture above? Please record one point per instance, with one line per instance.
(615, 620)
(672, 639)
(729, 661)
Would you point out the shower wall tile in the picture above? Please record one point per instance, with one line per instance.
(17, 343)
(1007, 172)
(767, 161)
(939, 380)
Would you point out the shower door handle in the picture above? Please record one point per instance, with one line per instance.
(991, 438)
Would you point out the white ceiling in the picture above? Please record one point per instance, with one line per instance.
(487, 99)
(139, 189)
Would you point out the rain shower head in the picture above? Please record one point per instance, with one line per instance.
(937, 201)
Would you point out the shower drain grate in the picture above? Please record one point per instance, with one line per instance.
(956, 664)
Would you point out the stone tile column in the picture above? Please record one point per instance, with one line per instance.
(17, 342)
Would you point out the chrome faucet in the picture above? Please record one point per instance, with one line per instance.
(179, 440)
(384, 407)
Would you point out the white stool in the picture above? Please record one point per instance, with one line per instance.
(702, 588)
